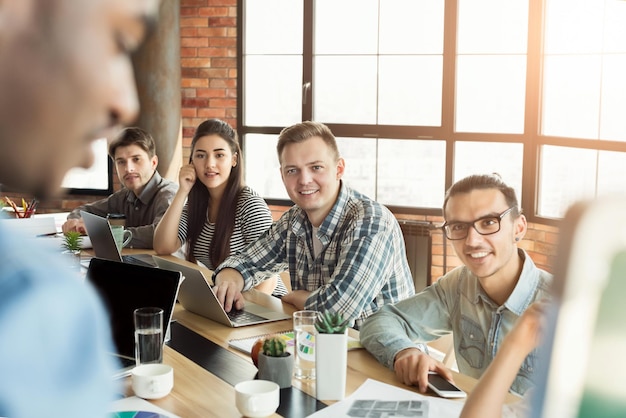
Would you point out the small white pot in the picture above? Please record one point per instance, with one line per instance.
(331, 363)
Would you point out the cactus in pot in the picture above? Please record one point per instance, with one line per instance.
(331, 323)
(275, 346)
(275, 362)
(331, 355)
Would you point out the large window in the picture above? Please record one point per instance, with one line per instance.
(96, 180)
(423, 92)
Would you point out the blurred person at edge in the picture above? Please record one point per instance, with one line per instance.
(65, 79)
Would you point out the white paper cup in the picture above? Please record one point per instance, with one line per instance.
(257, 398)
(152, 381)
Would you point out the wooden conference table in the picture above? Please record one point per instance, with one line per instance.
(199, 353)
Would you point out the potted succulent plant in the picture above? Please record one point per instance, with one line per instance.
(331, 355)
(275, 363)
(71, 246)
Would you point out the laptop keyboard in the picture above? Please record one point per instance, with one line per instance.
(131, 259)
(240, 316)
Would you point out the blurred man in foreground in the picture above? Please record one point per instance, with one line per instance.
(65, 80)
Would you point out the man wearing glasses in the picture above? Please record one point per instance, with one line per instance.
(479, 302)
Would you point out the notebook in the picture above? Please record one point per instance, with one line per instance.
(196, 295)
(126, 287)
(103, 242)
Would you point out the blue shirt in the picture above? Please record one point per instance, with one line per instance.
(457, 303)
(362, 264)
(54, 336)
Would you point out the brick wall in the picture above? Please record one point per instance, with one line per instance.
(208, 52)
(209, 89)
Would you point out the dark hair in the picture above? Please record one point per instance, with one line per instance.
(302, 131)
(133, 136)
(481, 182)
(199, 197)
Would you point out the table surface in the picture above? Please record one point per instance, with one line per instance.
(199, 393)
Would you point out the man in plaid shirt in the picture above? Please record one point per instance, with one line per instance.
(344, 252)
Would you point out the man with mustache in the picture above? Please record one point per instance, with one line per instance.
(145, 196)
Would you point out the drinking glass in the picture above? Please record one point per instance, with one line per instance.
(148, 335)
(304, 350)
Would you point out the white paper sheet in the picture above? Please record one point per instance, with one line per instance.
(375, 390)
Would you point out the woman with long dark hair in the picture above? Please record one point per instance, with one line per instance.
(214, 213)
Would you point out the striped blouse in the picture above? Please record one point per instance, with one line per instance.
(252, 218)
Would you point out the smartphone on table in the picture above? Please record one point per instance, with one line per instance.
(444, 388)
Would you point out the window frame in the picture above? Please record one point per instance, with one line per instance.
(531, 139)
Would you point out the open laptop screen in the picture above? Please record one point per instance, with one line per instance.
(126, 287)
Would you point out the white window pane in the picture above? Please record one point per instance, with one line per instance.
(262, 166)
(506, 159)
(346, 27)
(611, 172)
(273, 27)
(566, 175)
(571, 96)
(573, 26)
(344, 90)
(410, 90)
(492, 26)
(273, 90)
(411, 27)
(411, 173)
(490, 93)
(95, 177)
(360, 157)
(613, 110)
(615, 27)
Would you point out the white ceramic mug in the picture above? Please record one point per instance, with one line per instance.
(152, 381)
(257, 398)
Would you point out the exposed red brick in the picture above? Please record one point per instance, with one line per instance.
(189, 52)
(221, 21)
(214, 11)
(212, 113)
(211, 92)
(194, 41)
(187, 3)
(194, 22)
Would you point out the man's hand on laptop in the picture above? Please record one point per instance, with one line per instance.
(75, 224)
(228, 287)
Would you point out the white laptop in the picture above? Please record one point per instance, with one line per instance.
(103, 242)
(196, 295)
(126, 287)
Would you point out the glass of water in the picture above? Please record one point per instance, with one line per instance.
(148, 335)
(304, 329)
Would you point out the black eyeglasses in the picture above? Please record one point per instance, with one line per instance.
(486, 225)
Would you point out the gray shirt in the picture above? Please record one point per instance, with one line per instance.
(457, 303)
(142, 212)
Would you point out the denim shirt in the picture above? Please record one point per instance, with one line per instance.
(457, 303)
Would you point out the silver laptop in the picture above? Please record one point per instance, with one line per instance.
(125, 287)
(103, 242)
(196, 295)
